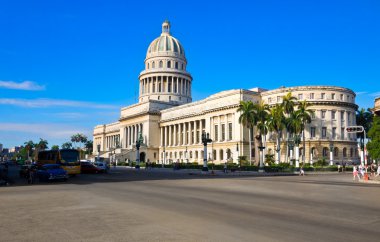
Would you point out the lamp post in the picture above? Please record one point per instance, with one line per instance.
(139, 141)
(98, 148)
(291, 146)
(205, 139)
(331, 152)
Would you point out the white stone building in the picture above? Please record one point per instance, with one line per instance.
(171, 124)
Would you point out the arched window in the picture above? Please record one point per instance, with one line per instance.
(191, 154)
(148, 66)
(325, 151)
(213, 155)
(344, 152)
(336, 152)
(153, 65)
(175, 154)
(228, 154)
(160, 64)
(220, 155)
(169, 64)
(351, 152)
(182, 66)
(196, 154)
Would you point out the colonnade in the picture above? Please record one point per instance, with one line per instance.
(112, 141)
(186, 133)
(165, 84)
(131, 134)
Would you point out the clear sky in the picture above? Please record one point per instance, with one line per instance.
(66, 66)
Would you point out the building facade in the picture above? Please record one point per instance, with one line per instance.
(376, 109)
(171, 125)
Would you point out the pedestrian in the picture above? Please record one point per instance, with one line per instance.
(355, 173)
(361, 171)
(378, 171)
(225, 167)
(302, 172)
(373, 169)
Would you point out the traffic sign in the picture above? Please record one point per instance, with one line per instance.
(355, 129)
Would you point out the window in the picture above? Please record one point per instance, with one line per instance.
(170, 86)
(341, 97)
(325, 151)
(336, 151)
(333, 114)
(333, 96)
(342, 133)
(153, 65)
(148, 65)
(170, 98)
(154, 155)
(198, 136)
(269, 100)
(313, 115)
(160, 64)
(176, 65)
(348, 116)
(311, 95)
(278, 99)
(158, 98)
(351, 152)
(223, 132)
(322, 96)
(333, 133)
(230, 131)
(216, 133)
(312, 132)
(182, 66)
(159, 86)
(169, 64)
(344, 152)
(348, 98)
(342, 115)
(323, 114)
(300, 96)
(324, 132)
(154, 87)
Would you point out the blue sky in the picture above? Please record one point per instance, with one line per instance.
(66, 66)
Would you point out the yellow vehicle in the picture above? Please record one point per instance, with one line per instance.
(67, 158)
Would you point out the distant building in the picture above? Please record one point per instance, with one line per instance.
(171, 124)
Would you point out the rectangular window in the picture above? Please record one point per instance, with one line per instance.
(333, 114)
(311, 95)
(269, 100)
(300, 96)
(341, 97)
(334, 133)
(278, 99)
(313, 115)
(322, 96)
(197, 136)
(216, 133)
(323, 114)
(312, 132)
(223, 132)
(333, 96)
(342, 133)
(230, 131)
(324, 132)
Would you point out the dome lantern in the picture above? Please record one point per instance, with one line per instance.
(166, 27)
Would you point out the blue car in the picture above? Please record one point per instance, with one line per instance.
(50, 172)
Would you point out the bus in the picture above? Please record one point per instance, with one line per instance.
(67, 158)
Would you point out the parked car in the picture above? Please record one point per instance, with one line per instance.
(103, 166)
(87, 167)
(49, 172)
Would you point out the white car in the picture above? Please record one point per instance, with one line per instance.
(102, 165)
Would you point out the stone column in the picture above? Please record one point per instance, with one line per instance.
(166, 136)
(170, 135)
(195, 132)
(175, 135)
(161, 136)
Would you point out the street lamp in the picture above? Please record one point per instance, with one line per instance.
(139, 141)
(291, 146)
(331, 152)
(205, 139)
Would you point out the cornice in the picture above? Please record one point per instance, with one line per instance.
(307, 88)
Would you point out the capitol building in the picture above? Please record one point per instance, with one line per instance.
(171, 124)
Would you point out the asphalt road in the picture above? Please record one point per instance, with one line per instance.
(128, 205)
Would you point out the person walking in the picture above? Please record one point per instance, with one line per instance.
(355, 173)
(302, 172)
(361, 171)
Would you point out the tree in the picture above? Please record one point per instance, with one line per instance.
(29, 146)
(89, 146)
(67, 145)
(42, 145)
(261, 115)
(247, 118)
(288, 103)
(373, 146)
(79, 138)
(304, 114)
(55, 147)
(363, 118)
(276, 123)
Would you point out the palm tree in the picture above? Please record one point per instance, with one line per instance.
(276, 123)
(304, 114)
(43, 144)
(247, 118)
(79, 138)
(293, 125)
(261, 113)
(67, 145)
(29, 147)
(288, 103)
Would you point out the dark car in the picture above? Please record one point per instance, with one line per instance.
(87, 167)
(50, 172)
